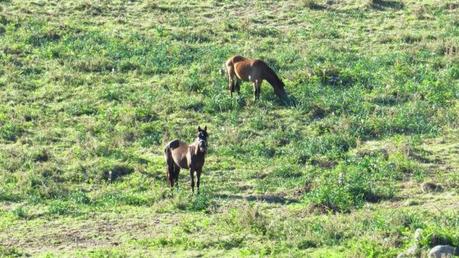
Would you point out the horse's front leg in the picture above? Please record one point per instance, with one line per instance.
(198, 177)
(258, 86)
(170, 174)
(171, 181)
(192, 179)
(256, 89)
(176, 176)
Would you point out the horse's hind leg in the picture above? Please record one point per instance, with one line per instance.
(234, 86)
(170, 165)
(170, 174)
(176, 175)
(238, 87)
(231, 88)
(231, 79)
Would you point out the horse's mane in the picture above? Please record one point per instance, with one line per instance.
(274, 80)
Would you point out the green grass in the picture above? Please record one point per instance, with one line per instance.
(90, 89)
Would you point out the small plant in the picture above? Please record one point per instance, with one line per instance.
(10, 251)
(20, 212)
(200, 202)
(58, 207)
(312, 4)
(349, 185)
(252, 217)
(10, 131)
(383, 4)
(41, 155)
(80, 197)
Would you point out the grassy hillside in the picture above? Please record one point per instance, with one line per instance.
(89, 88)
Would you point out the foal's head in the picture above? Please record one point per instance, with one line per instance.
(202, 139)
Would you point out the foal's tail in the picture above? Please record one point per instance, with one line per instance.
(275, 81)
(167, 152)
(170, 164)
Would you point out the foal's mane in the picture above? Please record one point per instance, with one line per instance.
(195, 146)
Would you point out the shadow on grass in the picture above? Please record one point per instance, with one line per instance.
(383, 4)
(270, 198)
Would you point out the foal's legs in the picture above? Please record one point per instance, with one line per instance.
(192, 179)
(170, 173)
(198, 175)
(176, 175)
(170, 178)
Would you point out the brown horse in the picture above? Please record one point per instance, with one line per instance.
(239, 69)
(187, 156)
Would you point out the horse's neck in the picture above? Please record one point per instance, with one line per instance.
(200, 155)
(194, 148)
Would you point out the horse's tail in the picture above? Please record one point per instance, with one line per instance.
(275, 81)
(170, 164)
(167, 152)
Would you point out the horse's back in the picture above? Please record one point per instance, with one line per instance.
(250, 69)
(235, 59)
(177, 151)
(174, 144)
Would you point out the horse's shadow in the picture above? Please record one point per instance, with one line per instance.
(290, 101)
(270, 198)
(287, 102)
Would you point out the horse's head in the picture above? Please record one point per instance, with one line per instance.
(202, 139)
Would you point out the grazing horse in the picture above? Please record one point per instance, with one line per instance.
(179, 155)
(239, 69)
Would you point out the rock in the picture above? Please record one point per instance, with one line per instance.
(443, 251)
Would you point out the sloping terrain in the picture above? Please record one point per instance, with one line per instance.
(367, 152)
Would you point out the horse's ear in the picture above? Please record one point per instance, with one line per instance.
(205, 128)
(199, 128)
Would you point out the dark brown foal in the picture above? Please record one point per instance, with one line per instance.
(179, 155)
